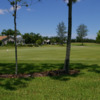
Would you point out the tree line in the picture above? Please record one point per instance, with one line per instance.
(61, 38)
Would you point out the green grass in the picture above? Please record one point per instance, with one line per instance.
(83, 86)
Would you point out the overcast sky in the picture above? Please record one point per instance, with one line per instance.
(44, 16)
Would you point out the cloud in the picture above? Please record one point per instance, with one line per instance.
(66, 1)
(19, 7)
(3, 11)
(12, 8)
(28, 9)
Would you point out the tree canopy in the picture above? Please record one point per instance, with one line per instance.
(9, 32)
(61, 31)
(98, 37)
(81, 32)
(31, 38)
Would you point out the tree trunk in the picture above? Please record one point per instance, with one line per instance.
(68, 47)
(15, 11)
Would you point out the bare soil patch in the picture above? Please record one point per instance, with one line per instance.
(40, 74)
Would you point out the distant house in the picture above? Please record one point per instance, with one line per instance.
(20, 40)
(6, 39)
(46, 42)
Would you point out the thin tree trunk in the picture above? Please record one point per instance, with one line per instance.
(68, 47)
(15, 11)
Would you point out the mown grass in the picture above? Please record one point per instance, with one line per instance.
(83, 86)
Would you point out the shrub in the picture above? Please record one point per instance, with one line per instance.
(10, 43)
(38, 42)
(29, 45)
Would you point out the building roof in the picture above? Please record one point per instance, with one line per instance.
(2, 37)
(46, 40)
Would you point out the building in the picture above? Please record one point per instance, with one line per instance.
(46, 41)
(6, 39)
(20, 40)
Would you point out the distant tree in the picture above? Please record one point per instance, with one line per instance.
(38, 42)
(73, 40)
(81, 32)
(98, 37)
(37, 37)
(27, 38)
(89, 40)
(31, 38)
(52, 40)
(7, 32)
(45, 38)
(10, 32)
(61, 32)
(57, 39)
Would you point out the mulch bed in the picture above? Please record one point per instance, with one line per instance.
(40, 74)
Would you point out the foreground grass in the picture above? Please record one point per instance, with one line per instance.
(83, 86)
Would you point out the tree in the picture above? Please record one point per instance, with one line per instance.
(37, 37)
(57, 39)
(61, 31)
(45, 38)
(81, 32)
(31, 38)
(38, 42)
(27, 38)
(9, 32)
(15, 4)
(52, 40)
(98, 37)
(68, 47)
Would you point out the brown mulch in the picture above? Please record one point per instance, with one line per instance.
(40, 74)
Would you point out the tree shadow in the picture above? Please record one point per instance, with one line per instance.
(90, 68)
(78, 66)
(28, 68)
(14, 83)
(25, 68)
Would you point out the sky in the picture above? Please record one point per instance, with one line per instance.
(43, 17)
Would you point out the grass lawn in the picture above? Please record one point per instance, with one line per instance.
(83, 86)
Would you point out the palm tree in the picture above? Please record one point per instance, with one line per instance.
(68, 47)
